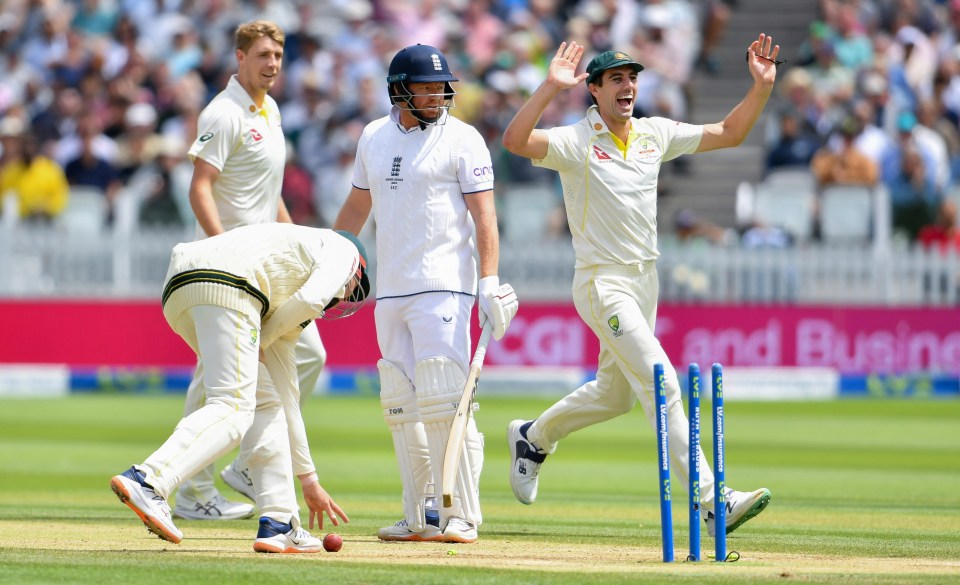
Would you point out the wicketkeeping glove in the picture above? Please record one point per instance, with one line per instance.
(498, 303)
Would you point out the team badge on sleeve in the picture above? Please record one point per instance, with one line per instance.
(614, 323)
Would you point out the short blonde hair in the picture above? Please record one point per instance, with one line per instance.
(248, 32)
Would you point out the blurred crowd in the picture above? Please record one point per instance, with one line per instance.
(99, 98)
(874, 99)
(102, 96)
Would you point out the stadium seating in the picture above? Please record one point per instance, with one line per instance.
(846, 214)
(787, 200)
(86, 211)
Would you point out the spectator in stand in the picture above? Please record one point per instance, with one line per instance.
(333, 179)
(167, 199)
(85, 126)
(74, 64)
(912, 60)
(481, 31)
(853, 47)
(871, 140)
(796, 145)
(817, 32)
(912, 194)
(943, 233)
(761, 235)
(59, 118)
(186, 54)
(544, 20)
(892, 166)
(932, 142)
(421, 21)
(827, 73)
(946, 86)
(47, 48)
(714, 15)
(310, 72)
(691, 230)
(95, 18)
(797, 90)
(662, 85)
(90, 170)
(846, 166)
(874, 89)
(297, 190)
(18, 80)
(36, 181)
(139, 143)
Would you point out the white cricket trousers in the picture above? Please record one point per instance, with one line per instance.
(311, 357)
(241, 407)
(619, 303)
(412, 331)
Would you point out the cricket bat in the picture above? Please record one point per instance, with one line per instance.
(458, 429)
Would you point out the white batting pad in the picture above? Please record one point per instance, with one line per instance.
(399, 402)
(440, 384)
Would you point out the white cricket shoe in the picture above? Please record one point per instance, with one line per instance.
(401, 531)
(133, 490)
(741, 506)
(277, 537)
(239, 480)
(217, 508)
(459, 530)
(525, 461)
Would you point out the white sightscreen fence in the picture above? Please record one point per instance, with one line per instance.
(49, 262)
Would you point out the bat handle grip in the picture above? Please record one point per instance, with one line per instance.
(482, 346)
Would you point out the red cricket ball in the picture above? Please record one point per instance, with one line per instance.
(332, 542)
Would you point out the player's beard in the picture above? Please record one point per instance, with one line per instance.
(423, 117)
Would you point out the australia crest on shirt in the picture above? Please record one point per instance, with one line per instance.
(646, 147)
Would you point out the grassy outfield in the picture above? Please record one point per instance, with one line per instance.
(863, 492)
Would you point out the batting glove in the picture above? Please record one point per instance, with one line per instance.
(498, 304)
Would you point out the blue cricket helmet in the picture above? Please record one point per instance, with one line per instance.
(419, 64)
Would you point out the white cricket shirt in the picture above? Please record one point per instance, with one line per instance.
(245, 143)
(610, 189)
(418, 181)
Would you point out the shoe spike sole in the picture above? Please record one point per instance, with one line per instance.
(151, 524)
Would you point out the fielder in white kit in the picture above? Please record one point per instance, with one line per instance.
(608, 165)
(428, 178)
(238, 158)
(240, 300)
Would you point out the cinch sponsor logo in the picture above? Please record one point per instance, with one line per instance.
(482, 171)
(601, 155)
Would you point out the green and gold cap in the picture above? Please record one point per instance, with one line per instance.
(609, 60)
